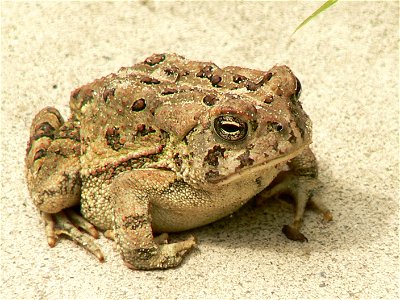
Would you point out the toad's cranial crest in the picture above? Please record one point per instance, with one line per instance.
(167, 145)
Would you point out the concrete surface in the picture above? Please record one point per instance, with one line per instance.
(347, 60)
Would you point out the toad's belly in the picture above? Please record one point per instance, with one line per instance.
(183, 207)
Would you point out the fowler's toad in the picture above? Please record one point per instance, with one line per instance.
(168, 145)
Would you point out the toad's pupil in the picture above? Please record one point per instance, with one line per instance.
(230, 127)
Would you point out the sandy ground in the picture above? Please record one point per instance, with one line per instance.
(347, 60)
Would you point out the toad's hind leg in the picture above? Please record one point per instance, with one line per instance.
(52, 172)
(302, 184)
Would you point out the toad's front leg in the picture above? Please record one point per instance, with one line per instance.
(133, 193)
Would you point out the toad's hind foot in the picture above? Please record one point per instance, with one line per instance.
(67, 222)
(52, 162)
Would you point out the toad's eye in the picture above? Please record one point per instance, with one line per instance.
(230, 128)
(297, 93)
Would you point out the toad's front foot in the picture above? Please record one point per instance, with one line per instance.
(159, 256)
(134, 194)
(302, 185)
(67, 222)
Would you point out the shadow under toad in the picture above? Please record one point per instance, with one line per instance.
(359, 218)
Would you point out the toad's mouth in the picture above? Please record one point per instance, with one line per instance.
(256, 169)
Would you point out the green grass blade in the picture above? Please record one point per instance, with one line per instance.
(323, 7)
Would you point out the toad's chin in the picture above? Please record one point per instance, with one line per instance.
(254, 170)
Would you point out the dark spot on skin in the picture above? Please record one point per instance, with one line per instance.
(169, 91)
(142, 130)
(292, 139)
(135, 222)
(164, 135)
(113, 138)
(171, 70)
(48, 193)
(154, 59)
(211, 175)
(140, 127)
(215, 80)
(205, 72)
(54, 86)
(258, 181)
(111, 131)
(82, 96)
(239, 78)
(184, 73)
(40, 154)
(251, 86)
(44, 129)
(274, 126)
(267, 77)
(52, 110)
(213, 155)
(245, 159)
(68, 130)
(178, 160)
(269, 99)
(149, 80)
(138, 105)
(145, 254)
(75, 93)
(40, 135)
(254, 125)
(176, 71)
(210, 100)
(108, 94)
(87, 97)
